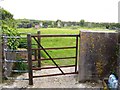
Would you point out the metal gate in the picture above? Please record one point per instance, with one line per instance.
(37, 55)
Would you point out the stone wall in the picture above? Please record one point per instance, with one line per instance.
(98, 56)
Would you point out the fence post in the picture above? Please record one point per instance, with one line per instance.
(7, 67)
(1, 57)
(29, 59)
(39, 54)
(3, 62)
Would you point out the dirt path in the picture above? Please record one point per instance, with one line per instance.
(64, 81)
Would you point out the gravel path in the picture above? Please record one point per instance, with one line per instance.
(63, 81)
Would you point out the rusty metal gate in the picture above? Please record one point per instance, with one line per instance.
(37, 55)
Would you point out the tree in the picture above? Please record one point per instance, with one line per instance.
(59, 23)
(7, 19)
(8, 26)
(82, 22)
(45, 24)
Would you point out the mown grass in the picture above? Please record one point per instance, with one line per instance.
(58, 42)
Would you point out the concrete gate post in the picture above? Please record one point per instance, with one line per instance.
(97, 57)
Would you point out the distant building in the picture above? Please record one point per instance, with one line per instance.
(65, 25)
(37, 26)
(59, 24)
(41, 24)
(119, 12)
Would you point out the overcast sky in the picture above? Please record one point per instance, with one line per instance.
(65, 10)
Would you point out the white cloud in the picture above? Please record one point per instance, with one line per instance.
(70, 10)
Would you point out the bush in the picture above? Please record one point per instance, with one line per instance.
(20, 66)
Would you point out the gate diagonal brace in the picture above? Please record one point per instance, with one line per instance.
(48, 55)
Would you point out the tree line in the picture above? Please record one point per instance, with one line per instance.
(29, 23)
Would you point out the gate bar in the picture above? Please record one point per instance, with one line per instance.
(39, 54)
(52, 67)
(54, 48)
(54, 58)
(55, 74)
(76, 53)
(57, 35)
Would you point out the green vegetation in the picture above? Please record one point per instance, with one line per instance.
(58, 42)
(9, 27)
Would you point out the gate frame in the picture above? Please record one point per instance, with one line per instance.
(29, 43)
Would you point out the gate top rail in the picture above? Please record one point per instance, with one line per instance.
(13, 37)
(56, 35)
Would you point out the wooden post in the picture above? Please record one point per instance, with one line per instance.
(29, 59)
(39, 54)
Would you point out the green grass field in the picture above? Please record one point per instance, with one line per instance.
(58, 42)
